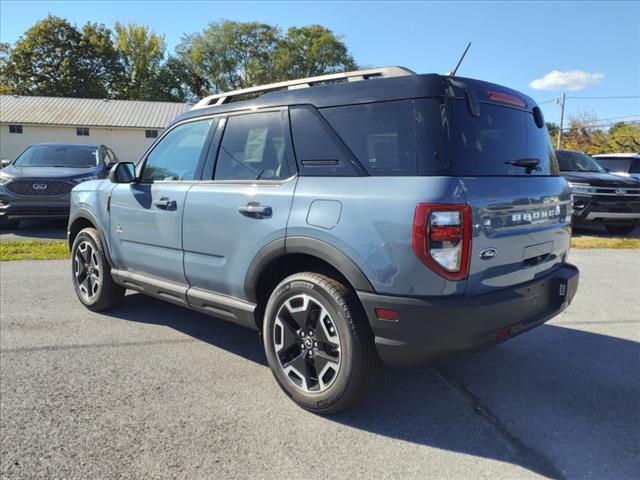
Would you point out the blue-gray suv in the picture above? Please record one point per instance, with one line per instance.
(349, 218)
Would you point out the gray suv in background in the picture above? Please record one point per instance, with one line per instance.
(349, 218)
(37, 184)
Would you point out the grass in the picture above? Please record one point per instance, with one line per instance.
(34, 250)
(57, 250)
(602, 242)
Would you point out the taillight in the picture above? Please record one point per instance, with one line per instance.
(442, 238)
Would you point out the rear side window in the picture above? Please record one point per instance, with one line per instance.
(317, 150)
(380, 135)
(252, 148)
(486, 144)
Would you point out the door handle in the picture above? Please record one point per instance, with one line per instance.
(165, 204)
(255, 210)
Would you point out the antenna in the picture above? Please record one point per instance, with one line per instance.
(460, 61)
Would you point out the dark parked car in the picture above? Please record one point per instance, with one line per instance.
(38, 183)
(600, 197)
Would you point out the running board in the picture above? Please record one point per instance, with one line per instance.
(210, 303)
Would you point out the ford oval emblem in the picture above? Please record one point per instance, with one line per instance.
(39, 186)
(488, 253)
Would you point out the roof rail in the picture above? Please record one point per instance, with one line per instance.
(225, 97)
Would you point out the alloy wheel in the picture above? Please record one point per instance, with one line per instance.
(86, 268)
(307, 343)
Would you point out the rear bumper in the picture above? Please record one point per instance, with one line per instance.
(432, 329)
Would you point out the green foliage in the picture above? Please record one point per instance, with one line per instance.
(54, 58)
(310, 51)
(142, 52)
(230, 55)
(582, 136)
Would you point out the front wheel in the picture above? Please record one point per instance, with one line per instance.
(318, 343)
(620, 229)
(92, 273)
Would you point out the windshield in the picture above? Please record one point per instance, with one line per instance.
(577, 162)
(69, 156)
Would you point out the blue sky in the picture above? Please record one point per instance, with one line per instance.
(513, 43)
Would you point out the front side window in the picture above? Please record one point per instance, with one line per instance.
(68, 156)
(252, 148)
(177, 155)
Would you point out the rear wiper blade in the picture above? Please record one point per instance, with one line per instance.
(529, 163)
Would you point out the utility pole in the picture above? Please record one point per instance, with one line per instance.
(562, 102)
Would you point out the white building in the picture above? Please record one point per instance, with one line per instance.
(127, 127)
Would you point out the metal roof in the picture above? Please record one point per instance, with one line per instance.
(88, 112)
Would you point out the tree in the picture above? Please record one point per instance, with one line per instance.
(142, 53)
(230, 55)
(54, 58)
(310, 51)
(5, 52)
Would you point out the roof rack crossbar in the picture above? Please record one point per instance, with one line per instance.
(225, 97)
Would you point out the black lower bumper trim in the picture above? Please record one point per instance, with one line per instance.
(436, 328)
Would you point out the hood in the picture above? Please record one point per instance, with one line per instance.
(51, 172)
(600, 179)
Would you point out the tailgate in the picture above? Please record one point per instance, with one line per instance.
(521, 229)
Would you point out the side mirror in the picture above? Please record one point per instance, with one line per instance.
(123, 172)
(5, 162)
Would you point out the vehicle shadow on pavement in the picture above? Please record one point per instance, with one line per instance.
(557, 401)
(36, 230)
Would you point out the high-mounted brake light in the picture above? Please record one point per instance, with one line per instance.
(506, 98)
(442, 238)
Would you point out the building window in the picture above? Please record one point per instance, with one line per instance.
(82, 131)
(15, 128)
(151, 133)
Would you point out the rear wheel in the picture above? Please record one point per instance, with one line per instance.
(92, 273)
(620, 229)
(318, 343)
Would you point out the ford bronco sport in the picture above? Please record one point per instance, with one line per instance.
(349, 218)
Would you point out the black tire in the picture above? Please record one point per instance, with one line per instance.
(620, 229)
(357, 360)
(107, 294)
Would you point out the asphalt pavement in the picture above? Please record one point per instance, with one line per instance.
(151, 390)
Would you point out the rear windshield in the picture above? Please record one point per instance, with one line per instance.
(577, 162)
(441, 137)
(496, 140)
(70, 156)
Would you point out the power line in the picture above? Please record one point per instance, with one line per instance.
(607, 98)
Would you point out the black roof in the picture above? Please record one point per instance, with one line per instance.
(366, 91)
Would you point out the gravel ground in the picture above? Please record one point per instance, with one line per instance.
(151, 390)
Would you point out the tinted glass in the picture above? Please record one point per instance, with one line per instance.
(615, 164)
(380, 135)
(577, 162)
(252, 148)
(317, 151)
(70, 156)
(487, 143)
(176, 156)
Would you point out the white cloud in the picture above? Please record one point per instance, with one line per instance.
(573, 80)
